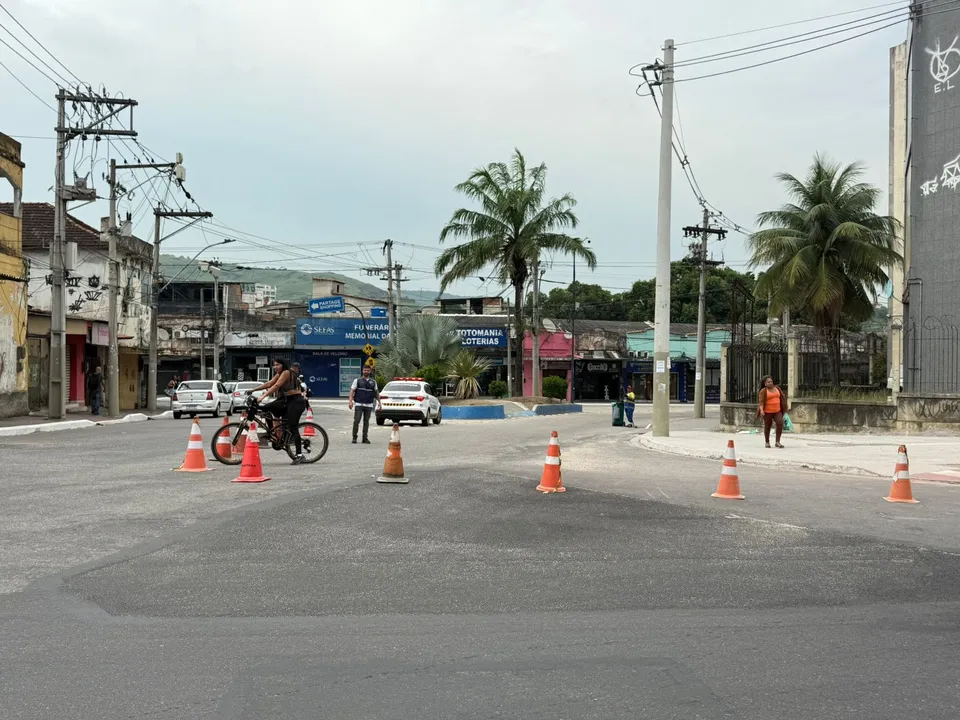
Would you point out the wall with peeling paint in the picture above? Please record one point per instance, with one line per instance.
(13, 287)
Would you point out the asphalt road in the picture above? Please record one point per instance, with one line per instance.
(128, 590)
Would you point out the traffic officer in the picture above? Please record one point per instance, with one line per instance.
(363, 393)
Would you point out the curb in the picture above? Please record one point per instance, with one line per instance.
(21, 430)
(652, 443)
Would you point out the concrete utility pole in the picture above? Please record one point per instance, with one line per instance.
(158, 215)
(509, 352)
(391, 308)
(96, 110)
(213, 267)
(113, 365)
(661, 330)
(699, 398)
(535, 390)
(573, 329)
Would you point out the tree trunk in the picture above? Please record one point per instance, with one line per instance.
(518, 347)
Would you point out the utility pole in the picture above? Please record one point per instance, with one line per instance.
(158, 215)
(213, 267)
(113, 275)
(509, 353)
(535, 330)
(95, 111)
(661, 330)
(699, 397)
(391, 308)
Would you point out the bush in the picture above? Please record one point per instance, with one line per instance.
(497, 389)
(381, 381)
(555, 387)
(433, 375)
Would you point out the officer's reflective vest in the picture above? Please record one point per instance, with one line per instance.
(364, 394)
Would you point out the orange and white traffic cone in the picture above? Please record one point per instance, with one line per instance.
(309, 431)
(393, 465)
(729, 487)
(194, 461)
(552, 479)
(900, 490)
(224, 447)
(251, 471)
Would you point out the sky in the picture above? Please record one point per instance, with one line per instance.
(325, 127)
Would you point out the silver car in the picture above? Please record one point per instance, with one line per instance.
(238, 397)
(201, 397)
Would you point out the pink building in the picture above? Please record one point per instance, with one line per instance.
(555, 348)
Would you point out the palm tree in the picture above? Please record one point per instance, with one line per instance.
(465, 368)
(420, 340)
(828, 252)
(514, 226)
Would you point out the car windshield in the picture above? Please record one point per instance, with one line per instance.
(197, 385)
(401, 387)
(229, 386)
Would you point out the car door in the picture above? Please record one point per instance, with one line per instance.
(434, 403)
(223, 398)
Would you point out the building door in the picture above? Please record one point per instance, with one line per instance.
(128, 381)
(68, 374)
(350, 368)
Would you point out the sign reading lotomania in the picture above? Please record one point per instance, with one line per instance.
(494, 337)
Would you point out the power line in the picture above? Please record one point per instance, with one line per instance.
(31, 36)
(27, 88)
(28, 62)
(39, 59)
(789, 24)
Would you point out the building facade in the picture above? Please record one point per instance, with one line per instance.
(931, 296)
(638, 370)
(88, 308)
(14, 368)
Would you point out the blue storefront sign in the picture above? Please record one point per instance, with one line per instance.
(334, 303)
(329, 373)
(378, 312)
(488, 337)
(341, 332)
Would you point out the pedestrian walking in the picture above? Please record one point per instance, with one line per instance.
(364, 395)
(629, 405)
(772, 405)
(95, 388)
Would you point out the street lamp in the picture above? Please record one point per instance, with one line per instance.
(573, 328)
(190, 262)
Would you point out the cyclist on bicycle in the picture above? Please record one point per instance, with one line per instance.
(290, 403)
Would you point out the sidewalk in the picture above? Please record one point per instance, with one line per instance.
(932, 458)
(15, 426)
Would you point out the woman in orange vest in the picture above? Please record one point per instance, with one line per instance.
(772, 406)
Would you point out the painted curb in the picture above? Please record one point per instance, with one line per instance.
(559, 409)
(20, 430)
(651, 443)
(474, 412)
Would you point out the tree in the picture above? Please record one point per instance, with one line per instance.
(466, 368)
(514, 227)
(827, 251)
(420, 341)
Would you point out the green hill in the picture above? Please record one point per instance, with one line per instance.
(292, 285)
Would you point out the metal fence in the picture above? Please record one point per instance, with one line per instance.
(749, 363)
(932, 356)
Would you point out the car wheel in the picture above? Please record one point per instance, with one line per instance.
(426, 418)
(381, 420)
(192, 415)
(177, 415)
(230, 410)
(216, 411)
(439, 417)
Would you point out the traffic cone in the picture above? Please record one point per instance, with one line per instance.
(393, 465)
(729, 487)
(194, 461)
(251, 471)
(224, 448)
(552, 479)
(900, 490)
(308, 431)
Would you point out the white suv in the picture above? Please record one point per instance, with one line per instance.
(409, 399)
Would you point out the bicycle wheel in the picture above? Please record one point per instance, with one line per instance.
(232, 432)
(314, 440)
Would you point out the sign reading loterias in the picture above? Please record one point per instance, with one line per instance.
(483, 337)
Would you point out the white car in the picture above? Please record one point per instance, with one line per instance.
(409, 399)
(195, 397)
(238, 397)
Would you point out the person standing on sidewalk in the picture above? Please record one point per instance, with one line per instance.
(95, 387)
(363, 393)
(772, 404)
(629, 405)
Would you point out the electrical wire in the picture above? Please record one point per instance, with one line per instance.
(791, 24)
(32, 37)
(29, 90)
(38, 58)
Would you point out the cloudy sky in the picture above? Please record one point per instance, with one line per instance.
(328, 126)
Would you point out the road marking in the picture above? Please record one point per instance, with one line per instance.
(731, 516)
(663, 493)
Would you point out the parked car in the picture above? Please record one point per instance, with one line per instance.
(195, 397)
(239, 395)
(409, 399)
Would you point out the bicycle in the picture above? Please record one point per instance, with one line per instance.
(313, 438)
